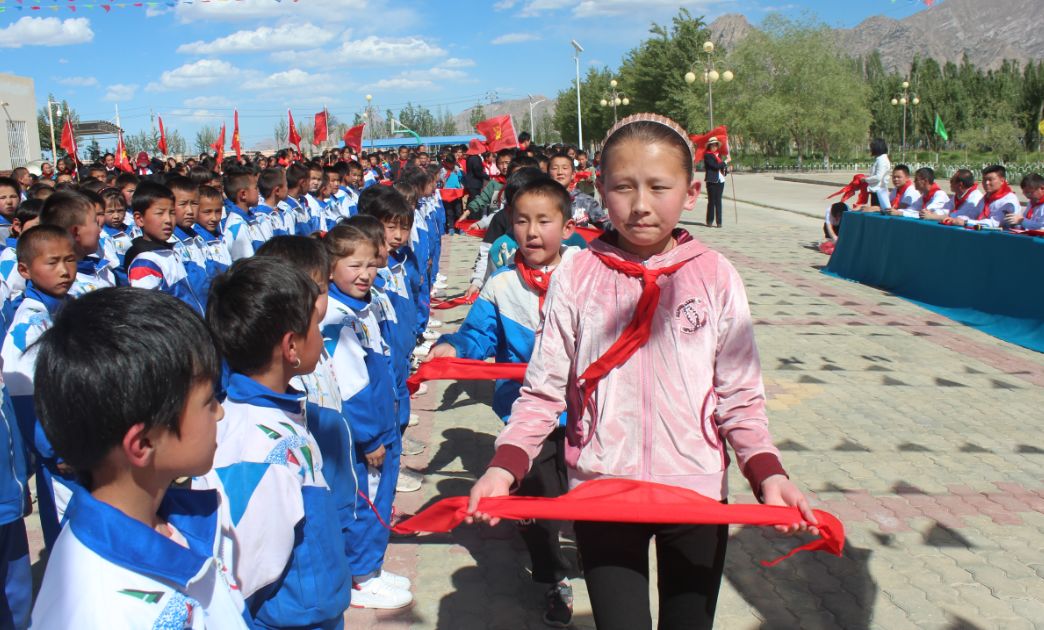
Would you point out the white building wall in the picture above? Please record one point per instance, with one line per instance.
(19, 137)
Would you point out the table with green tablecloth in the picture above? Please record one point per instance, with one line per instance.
(990, 280)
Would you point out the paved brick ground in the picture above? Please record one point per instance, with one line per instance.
(922, 435)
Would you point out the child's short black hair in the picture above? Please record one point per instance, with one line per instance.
(28, 210)
(368, 225)
(113, 196)
(306, 253)
(66, 208)
(29, 241)
(92, 186)
(40, 191)
(201, 175)
(236, 179)
(148, 193)
(126, 179)
(94, 381)
(209, 193)
(253, 305)
(902, 167)
(8, 182)
(837, 209)
(270, 179)
(296, 175)
(387, 205)
(518, 179)
(182, 184)
(548, 189)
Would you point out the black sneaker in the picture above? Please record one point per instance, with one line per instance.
(558, 607)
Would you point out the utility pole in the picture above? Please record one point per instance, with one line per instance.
(532, 125)
(579, 116)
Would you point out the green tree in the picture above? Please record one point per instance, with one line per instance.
(477, 115)
(418, 118)
(281, 133)
(60, 113)
(445, 123)
(94, 151)
(597, 119)
(205, 137)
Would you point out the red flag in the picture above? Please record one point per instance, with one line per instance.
(699, 142)
(122, 161)
(219, 144)
(236, 145)
(69, 139)
(499, 132)
(293, 137)
(162, 144)
(353, 138)
(319, 133)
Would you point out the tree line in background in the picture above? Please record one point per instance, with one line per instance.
(796, 94)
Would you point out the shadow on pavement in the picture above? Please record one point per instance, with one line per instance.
(812, 582)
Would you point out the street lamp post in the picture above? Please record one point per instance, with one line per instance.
(711, 75)
(579, 117)
(905, 100)
(532, 125)
(50, 120)
(369, 119)
(615, 99)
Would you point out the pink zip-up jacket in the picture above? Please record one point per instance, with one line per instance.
(664, 414)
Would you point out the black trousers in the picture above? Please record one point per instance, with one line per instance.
(690, 560)
(547, 478)
(453, 212)
(714, 194)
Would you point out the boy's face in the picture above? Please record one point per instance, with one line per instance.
(403, 154)
(9, 199)
(899, 178)
(539, 228)
(186, 207)
(99, 174)
(209, 214)
(64, 178)
(114, 215)
(561, 170)
(191, 453)
(582, 158)
(315, 181)
(53, 268)
(396, 233)
(128, 192)
(99, 214)
(354, 274)
(87, 235)
(503, 163)
(157, 222)
(333, 180)
(354, 177)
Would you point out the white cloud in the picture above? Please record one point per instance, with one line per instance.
(119, 92)
(400, 83)
(593, 8)
(288, 79)
(248, 10)
(196, 74)
(372, 51)
(515, 38)
(78, 81)
(456, 62)
(536, 7)
(202, 102)
(50, 31)
(200, 115)
(284, 37)
(504, 5)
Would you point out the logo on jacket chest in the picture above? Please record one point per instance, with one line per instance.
(689, 316)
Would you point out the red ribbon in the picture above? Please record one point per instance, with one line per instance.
(629, 501)
(857, 185)
(535, 279)
(452, 369)
(442, 305)
(449, 195)
(588, 233)
(467, 226)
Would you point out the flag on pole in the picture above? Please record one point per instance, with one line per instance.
(69, 139)
(236, 145)
(499, 132)
(940, 129)
(162, 144)
(699, 142)
(219, 144)
(293, 137)
(122, 161)
(353, 138)
(319, 134)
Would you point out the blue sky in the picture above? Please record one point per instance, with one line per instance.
(194, 62)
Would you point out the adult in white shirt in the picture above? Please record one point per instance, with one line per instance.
(877, 180)
(932, 200)
(904, 194)
(998, 203)
(1032, 217)
(966, 195)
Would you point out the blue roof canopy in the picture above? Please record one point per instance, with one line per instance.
(410, 141)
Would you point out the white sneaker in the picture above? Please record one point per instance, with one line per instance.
(414, 420)
(431, 335)
(379, 594)
(400, 582)
(440, 277)
(411, 446)
(440, 284)
(423, 389)
(434, 323)
(436, 292)
(408, 481)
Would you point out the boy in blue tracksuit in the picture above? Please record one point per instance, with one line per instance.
(502, 323)
(294, 209)
(243, 229)
(265, 314)
(362, 363)
(271, 186)
(189, 246)
(208, 227)
(15, 577)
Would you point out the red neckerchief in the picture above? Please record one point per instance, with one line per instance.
(959, 201)
(1005, 189)
(1032, 207)
(499, 178)
(927, 197)
(534, 278)
(899, 192)
(635, 334)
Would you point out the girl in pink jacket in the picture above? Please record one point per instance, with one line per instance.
(648, 344)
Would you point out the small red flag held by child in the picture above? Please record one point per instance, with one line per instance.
(699, 142)
(293, 137)
(237, 146)
(162, 144)
(319, 131)
(219, 144)
(122, 161)
(353, 138)
(69, 139)
(499, 132)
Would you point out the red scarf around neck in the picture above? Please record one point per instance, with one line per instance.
(635, 334)
(1031, 208)
(927, 197)
(534, 278)
(899, 192)
(1005, 189)
(959, 200)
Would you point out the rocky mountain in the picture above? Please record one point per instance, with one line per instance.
(518, 108)
(987, 32)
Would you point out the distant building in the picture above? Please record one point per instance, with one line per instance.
(19, 137)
